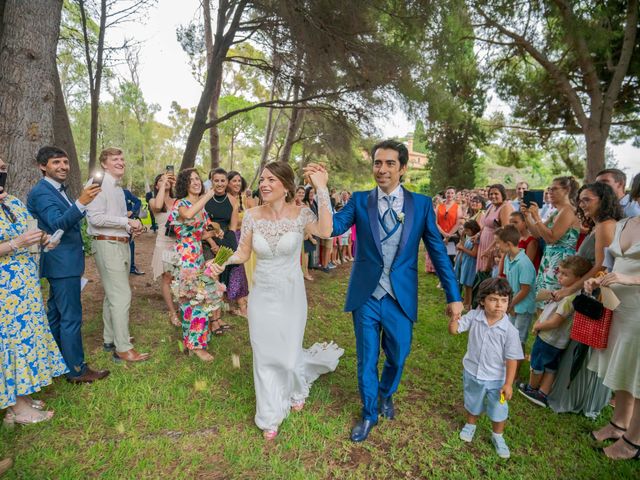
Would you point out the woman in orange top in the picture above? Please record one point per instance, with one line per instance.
(448, 219)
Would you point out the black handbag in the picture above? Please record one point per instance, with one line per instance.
(588, 305)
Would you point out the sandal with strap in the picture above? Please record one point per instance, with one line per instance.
(609, 438)
(11, 418)
(632, 445)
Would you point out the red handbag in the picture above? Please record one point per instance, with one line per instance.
(591, 322)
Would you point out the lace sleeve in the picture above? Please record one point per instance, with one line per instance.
(243, 252)
(323, 225)
(307, 216)
(323, 199)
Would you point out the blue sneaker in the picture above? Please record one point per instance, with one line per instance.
(501, 446)
(467, 432)
(535, 396)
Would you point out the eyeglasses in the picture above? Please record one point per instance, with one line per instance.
(585, 200)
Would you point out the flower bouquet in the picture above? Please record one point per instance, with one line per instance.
(199, 287)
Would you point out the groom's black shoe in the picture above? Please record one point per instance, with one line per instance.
(386, 407)
(360, 432)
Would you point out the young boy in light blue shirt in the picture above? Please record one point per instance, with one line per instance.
(493, 351)
(521, 275)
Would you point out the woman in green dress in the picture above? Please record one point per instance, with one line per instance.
(560, 232)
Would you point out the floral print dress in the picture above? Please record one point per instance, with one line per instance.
(197, 294)
(554, 253)
(30, 356)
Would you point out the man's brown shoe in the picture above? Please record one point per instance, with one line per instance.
(5, 465)
(89, 376)
(131, 356)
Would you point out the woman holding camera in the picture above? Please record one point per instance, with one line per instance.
(30, 355)
(161, 205)
(189, 221)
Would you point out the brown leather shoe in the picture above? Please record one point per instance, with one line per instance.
(5, 465)
(89, 376)
(131, 356)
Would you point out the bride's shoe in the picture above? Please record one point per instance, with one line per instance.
(269, 434)
(37, 416)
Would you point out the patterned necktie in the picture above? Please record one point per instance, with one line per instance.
(389, 219)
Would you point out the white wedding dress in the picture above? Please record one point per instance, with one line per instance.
(277, 308)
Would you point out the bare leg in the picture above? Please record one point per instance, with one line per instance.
(498, 427)
(468, 293)
(547, 382)
(534, 379)
(165, 288)
(305, 266)
(472, 419)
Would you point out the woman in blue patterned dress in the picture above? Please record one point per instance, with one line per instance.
(30, 356)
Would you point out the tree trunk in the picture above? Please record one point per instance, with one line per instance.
(27, 90)
(221, 46)
(63, 138)
(295, 121)
(214, 133)
(596, 146)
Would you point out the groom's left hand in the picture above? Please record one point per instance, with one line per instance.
(454, 310)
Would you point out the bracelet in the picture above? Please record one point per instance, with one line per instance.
(13, 247)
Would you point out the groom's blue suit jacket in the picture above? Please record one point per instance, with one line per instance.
(53, 212)
(419, 223)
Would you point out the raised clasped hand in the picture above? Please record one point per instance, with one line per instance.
(317, 175)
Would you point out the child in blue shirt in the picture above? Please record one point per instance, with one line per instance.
(493, 351)
(521, 275)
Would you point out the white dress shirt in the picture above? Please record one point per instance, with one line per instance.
(398, 201)
(107, 213)
(57, 186)
(489, 347)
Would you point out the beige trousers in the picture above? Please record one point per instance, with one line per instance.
(113, 261)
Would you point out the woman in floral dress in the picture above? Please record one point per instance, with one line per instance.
(30, 356)
(560, 231)
(189, 221)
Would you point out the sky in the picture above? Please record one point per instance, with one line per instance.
(165, 75)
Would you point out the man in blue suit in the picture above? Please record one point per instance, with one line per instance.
(63, 267)
(383, 288)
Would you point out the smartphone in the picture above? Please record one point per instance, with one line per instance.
(170, 169)
(533, 196)
(55, 239)
(97, 178)
(3, 179)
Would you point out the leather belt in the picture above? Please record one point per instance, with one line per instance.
(109, 237)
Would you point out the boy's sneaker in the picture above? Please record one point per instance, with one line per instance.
(536, 396)
(525, 388)
(331, 266)
(501, 446)
(467, 432)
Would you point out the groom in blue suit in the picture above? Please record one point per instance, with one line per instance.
(383, 288)
(63, 267)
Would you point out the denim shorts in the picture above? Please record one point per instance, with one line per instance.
(544, 357)
(522, 321)
(481, 395)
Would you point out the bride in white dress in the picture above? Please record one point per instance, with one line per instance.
(277, 308)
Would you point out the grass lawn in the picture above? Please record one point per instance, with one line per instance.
(175, 417)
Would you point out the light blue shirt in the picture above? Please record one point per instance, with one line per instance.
(520, 271)
(489, 347)
(398, 201)
(57, 186)
(630, 208)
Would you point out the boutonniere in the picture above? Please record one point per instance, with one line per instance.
(401, 217)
